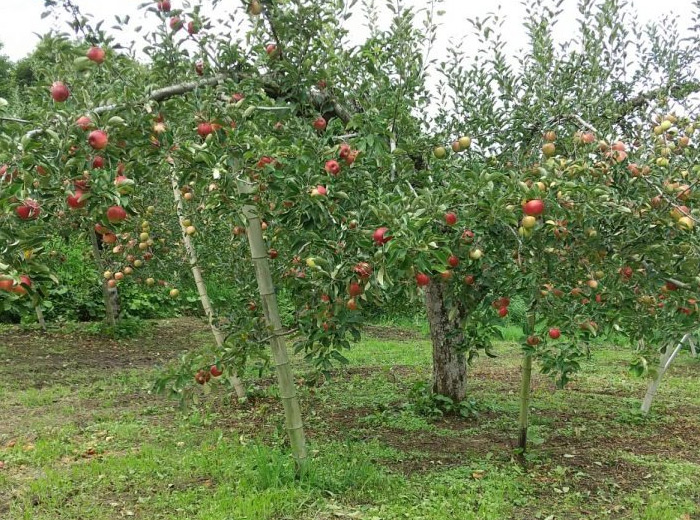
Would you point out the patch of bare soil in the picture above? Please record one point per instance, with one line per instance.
(58, 355)
(392, 333)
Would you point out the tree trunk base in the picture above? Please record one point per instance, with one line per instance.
(449, 360)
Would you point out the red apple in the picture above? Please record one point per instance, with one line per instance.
(98, 140)
(533, 341)
(164, 6)
(355, 289)
(352, 156)
(453, 261)
(175, 23)
(215, 371)
(59, 92)
(98, 162)
(554, 333)
(192, 28)
(379, 236)
(332, 167)
(29, 210)
(450, 218)
(422, 279)
(344, 150)
(319, 123)
(363, 270)
(468, 236)
(204, 129)
(533, 207)
(6, 283)
(116, 214)
(83, 122)
(75, 200)
(96, 54)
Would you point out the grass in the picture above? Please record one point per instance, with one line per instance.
(82, 438)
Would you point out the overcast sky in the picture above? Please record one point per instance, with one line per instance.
(22, 18)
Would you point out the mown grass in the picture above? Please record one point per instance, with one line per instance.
(81, 438)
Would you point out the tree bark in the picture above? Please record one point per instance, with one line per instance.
(285, 378)
(238, 385)
(449, 360)
(110, 295)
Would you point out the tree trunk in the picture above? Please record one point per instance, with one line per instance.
(665, 362)
(285, 379)
(110, 294)
(449, 360)
(238, 386)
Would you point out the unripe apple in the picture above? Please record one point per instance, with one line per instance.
(118, 275)
(190, 230)
(255, 8)
(686, 223)
(439, 152)
(174, 293)
(465, 142)
(475, 254)
(549, 149)
(529, 222)
(150, 281)
(107, 275)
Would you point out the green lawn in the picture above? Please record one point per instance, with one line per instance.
(81, 438)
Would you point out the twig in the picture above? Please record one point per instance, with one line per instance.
(14, 120)
(669, 200)
(582, 122)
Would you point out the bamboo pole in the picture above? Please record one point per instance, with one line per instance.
(666, 359)
(40, 316)
(524, 419)
(292, 411)
(238, 385)
(110, 311)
